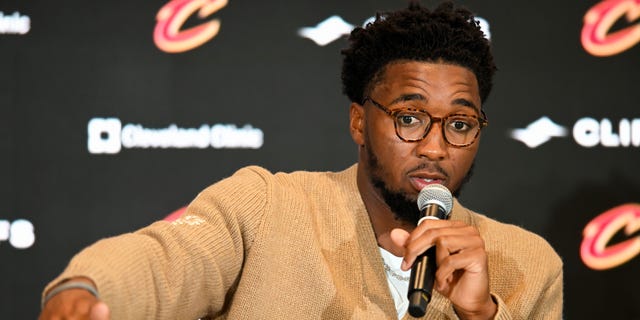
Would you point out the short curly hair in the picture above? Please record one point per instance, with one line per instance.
(446, 34)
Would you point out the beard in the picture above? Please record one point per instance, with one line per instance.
(403, 205)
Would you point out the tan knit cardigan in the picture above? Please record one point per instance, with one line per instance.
(293, 246)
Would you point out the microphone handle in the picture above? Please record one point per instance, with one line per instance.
(423, 272)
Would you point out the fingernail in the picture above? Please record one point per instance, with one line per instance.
(404, 265)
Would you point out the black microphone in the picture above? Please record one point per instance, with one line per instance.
(435, 202)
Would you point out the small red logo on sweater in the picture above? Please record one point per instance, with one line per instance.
(597, 38)
(596, 252)
(175, 215)
(168, 34)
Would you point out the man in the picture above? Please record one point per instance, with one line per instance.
(339, 245)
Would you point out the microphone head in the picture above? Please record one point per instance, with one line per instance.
(435, 194)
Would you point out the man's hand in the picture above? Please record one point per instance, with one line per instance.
(462, 273)
(75, 304)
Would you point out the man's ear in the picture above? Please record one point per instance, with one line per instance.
(357, 123)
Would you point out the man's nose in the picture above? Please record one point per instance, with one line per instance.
(433, 146)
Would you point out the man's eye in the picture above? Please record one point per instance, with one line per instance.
(408, 120)
(460, 125)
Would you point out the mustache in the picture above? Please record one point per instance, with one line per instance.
(429, 166)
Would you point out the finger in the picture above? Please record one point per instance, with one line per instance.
(399, 238)
(100, 311)
(416, 246)
(429, 224)
(426, 234)
(468, 261)
(447, 245)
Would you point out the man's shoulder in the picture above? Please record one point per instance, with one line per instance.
(296, 177)
(254, 180)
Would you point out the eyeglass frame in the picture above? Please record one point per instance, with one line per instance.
(482, 122)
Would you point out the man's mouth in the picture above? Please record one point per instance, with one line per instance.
(419, 183)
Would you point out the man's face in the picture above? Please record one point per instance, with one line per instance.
(399, 169)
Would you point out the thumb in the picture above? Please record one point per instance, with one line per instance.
(99, 311)
(399, 238)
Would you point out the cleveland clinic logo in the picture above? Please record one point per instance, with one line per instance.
(109, 135)
(15, 23)
(587, 132)
(19, 233)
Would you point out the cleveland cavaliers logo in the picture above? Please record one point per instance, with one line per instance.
(599, 39)
(596, 250)
(169, 35)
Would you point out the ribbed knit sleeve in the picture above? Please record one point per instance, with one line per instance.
(181, 269)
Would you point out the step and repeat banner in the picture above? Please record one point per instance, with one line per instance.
(116, 114)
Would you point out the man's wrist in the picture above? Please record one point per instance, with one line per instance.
(488, 311)
(72, 283)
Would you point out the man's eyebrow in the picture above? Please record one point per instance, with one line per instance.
(465, 103)
(408, 97)
(416, 96)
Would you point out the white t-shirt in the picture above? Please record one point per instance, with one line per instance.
(398, 281)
